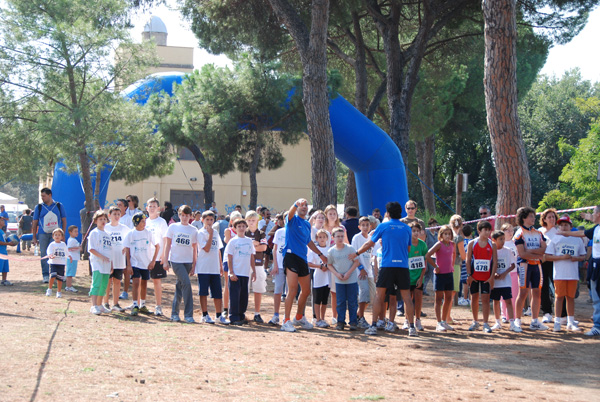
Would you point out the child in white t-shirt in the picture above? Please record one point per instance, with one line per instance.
(209, 268)
(57, 254)
(320, 278)
(117, 232)
(507, 262)
(566, 252)
(240, 256)
(140, 253)
(100, 249)
(74, 251)
(180, 253)
(366, 281)
(278, 271)
(158, 227)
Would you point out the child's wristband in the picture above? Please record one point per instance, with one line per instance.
(360, 268)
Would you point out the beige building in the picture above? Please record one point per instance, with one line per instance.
(277, 189)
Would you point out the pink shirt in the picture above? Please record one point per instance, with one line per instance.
(444, 258)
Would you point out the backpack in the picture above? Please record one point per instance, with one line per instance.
(51, 221)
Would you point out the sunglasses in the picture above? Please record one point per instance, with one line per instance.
(483, 213)
(411, 208)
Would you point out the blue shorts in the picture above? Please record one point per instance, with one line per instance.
(72, 267)
(140, 273)
(443, 282)
(4, 266)
(212, 281)
(225, 266)
(463, 273)
(533, 277)
(58, 272)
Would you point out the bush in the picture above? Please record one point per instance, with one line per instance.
(556, 199)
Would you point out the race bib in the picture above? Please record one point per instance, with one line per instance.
(183, 239)
(416, 263)
(502, 266)
(567, 249)
(482, 265)
(50, 222)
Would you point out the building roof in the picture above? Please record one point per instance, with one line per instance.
(155, 24)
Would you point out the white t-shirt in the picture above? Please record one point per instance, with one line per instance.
(100, 241)
(158, 227)
(59, 251)
(321, 278)
(209, 263)
(183, 237)
(197, 224)
(596, 242)
(549, 234)
(141, 247)
(71, 243)
(242, 250)
(505, 259)
(127, 218)
(376, 255)
(560, 245)
(117, 236)
(365, 258)
(279, 239)
(313, 235)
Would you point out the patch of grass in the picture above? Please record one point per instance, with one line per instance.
(88, 369)
(65, 311)
(368, 398)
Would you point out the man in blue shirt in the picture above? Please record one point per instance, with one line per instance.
(47, 216)
(3, 219)
(295, 251)
(394, 273)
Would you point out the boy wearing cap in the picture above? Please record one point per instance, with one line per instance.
(140, 251)
(565, 252)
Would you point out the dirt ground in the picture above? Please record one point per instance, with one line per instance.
(55, 349)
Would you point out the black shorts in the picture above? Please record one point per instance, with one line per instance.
(321, 295)
(117, 274)
(533, 278)
(158, 272)
(296, 265)
(141, 273)
(480, 287)
(504, 293)
(413, 287)
(212, 282)
(58, 272)
(394, 279)
(443, 282)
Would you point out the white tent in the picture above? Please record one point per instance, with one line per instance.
(8, 199)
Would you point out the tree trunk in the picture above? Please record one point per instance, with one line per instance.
(252, 171)
(425, 158)
(500, 82)
(208, 180)
(87, 188)
(97, 186)
(312, 48)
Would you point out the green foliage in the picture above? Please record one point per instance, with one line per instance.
(556, 199)
(58, 71)
(580, 174)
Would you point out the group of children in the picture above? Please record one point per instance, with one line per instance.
(153, 247)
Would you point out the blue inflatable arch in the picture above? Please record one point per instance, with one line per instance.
(359, 144)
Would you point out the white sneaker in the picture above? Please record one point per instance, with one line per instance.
(274, 320)
(463, 302)
(486, 328)
(391, 326)
(547, 318)
(333, 321)
(362, 323)
(515, 328)
(405, 325)
(537, 326)
(557, 327)
(474, 326)
(412, 331)
(573, 327)
(304, 324)
(223, 320)
(418, 325)
(288, 326)
(380, 325)
(527, 313)
(58, 295)
(71, 289)
(440, 328)
(95, 310)
(497, 325)
(446, 326)
(593, 332)
(564, 321)
(504, 320)
(158, 311)
(207, 320)
(103, 309)
(118, 308)
(322, 324)
(48, 292)
(371, 330)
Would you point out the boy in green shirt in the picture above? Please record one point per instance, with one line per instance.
(416, 265)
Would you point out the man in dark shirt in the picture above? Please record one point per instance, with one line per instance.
(351, 222)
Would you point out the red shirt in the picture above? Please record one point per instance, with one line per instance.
(481, 263)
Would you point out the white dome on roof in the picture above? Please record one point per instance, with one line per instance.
(155, 24)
